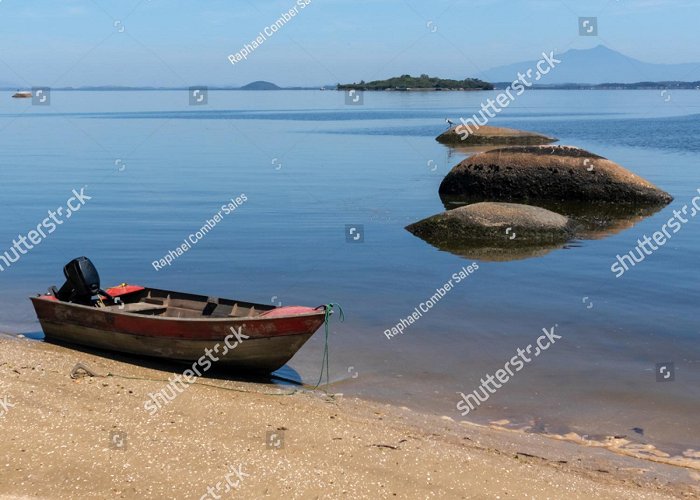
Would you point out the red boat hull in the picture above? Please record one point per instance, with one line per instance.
(255, 343)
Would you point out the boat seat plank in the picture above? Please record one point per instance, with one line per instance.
(138, 307)
(212, 303)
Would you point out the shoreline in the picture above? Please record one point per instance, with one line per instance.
(60, 441)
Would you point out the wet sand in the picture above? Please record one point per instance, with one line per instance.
(92, 437)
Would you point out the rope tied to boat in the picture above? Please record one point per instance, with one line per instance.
(329, 308)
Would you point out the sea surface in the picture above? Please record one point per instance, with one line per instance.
(156, 168)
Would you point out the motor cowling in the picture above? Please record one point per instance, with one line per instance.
(82, 282)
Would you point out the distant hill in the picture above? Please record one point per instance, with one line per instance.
(423, 82)
(261, 85)
(599, 65)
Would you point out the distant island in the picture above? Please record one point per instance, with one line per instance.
(261, 85)
(423, 82)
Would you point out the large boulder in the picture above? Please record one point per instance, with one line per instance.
(547, 173)
(487, 135)
(495, 231)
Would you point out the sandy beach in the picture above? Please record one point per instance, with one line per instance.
(90, 436)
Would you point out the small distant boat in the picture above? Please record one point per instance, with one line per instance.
(172, 325)
(22, 94)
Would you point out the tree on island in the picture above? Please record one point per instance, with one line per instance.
(423, 82)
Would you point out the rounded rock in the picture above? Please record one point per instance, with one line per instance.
(502, 223)
(487, 135)
(547, 173)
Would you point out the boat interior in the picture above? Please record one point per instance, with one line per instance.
(153, 302)
(82, 287)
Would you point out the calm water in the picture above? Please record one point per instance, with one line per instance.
(309, 166)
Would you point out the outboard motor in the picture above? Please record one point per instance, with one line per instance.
(82, 283)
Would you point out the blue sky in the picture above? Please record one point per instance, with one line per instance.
(186, 42)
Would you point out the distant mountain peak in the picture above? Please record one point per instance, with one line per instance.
(599, 64)
(599, 50)
(603, 48)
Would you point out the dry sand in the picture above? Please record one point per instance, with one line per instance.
(56, 443)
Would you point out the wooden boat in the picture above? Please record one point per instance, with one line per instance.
(22, 94)
(173, 325)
